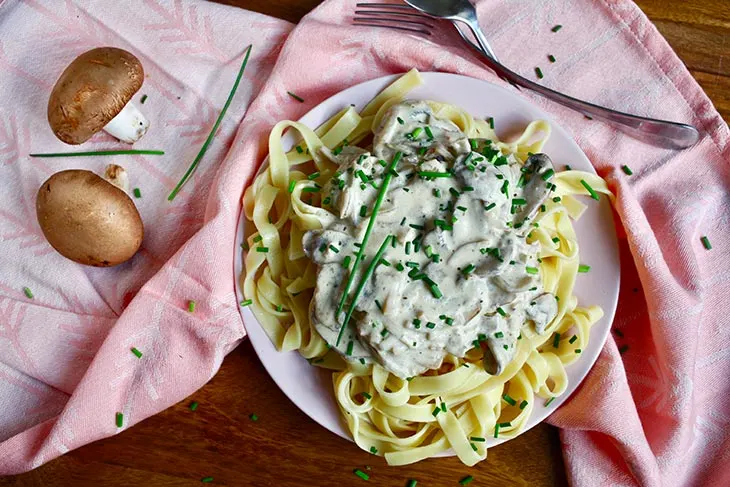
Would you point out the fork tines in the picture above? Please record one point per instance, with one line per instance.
(392, 16)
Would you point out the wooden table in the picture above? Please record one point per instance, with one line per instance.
(286, 448)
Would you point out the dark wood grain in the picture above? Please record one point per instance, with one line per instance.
(284, 447)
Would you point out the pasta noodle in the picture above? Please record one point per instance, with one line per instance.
(384, 413)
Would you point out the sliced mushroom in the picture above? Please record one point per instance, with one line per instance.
(93, 93)
(87, 219)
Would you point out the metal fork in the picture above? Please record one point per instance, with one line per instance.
(661, 133)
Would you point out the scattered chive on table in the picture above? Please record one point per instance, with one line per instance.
(213, 436)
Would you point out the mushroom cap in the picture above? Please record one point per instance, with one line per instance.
(91, 91)
(88, 219)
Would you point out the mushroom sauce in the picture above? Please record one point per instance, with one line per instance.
(459, 273)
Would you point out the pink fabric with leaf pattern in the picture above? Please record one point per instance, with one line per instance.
(655, 415)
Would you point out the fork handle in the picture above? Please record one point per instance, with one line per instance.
(661, 133)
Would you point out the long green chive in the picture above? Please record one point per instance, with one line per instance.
(523, 404)
(412, 483)
(366, 275)
(253, 417)
(429, 134)
(206, 480)
(551, 58)
(557, 28)
(297, 98)
(706, 243)
(509, 400)
(627, 170)
(538, 72)
(623, 349)
(136, 352)
(262, 249)
(213, 131)
(120, 420)
(548, 174)
(247, 302)
(466, 480)
(435, 174)
(191, 306)
(531, 270)
(137, 193)
(584, 268)
(102, 153)
(590, 190)
(28, 293)
(556, 340)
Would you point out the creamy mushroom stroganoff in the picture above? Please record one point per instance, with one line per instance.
(429, 265)
(458, 214)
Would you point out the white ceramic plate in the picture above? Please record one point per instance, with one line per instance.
(309, 387)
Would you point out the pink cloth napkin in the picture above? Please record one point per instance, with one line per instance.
(654, 415)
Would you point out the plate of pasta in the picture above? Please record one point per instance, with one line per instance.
(427, 265)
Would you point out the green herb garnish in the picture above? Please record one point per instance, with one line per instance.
(590, 190)
(101, 153)
(296, 97)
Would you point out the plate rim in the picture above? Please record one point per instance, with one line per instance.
(609, 314)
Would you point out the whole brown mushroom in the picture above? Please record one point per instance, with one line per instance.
(88, 219)
(93, 93)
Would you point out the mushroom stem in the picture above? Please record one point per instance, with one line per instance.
(117, 176)
(129, 125)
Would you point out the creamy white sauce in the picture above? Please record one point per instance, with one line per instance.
(476, 220)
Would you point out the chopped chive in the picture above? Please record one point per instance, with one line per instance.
(143, 99)
(590, 190)
(373, 450)
(247, 302)
(431, 325)
(416, 323)
(262, 249)
(28, 293)
(435, 174)
(538, 72)
(706, 243)
(437, 192)
(505, 425)
(244, 246)
(191, 306)
(137, 193)
(363, 210)
(101, 153)
(467, 188)
(556, 340)
(436, 411)
(556, 240)
(366, 395)
(206, 480)
(253, 417)
(509, 400)
(416, 132)
(501, 312)
(584, 268)
(543, 208)
(627, 170)
(408, 248)
(623, 349)
(120, 420)
(557, 199)
(474, 144)
(213, 130)
(519, 201)
(578, 350)
(466, 480)
(523, 404)
(399, 267)
(422, 151)
(412, 483)
(499, 334)
(477, 439)
(473, 447)
(257, 238)
(350, 346)
(313, 176)
(400, 120)
(468, 269)
(549, 401)
(547, 174)
(572, 339)
(136, 352)
(435, 291)
(505, 188)
(551, 58)
(429, 134)
(443, 407)
(310, 189)
(361, 474)
(531, 270)
(496, 430)
(299, 149)
(297, 98)
(557, 28)
(490, 206)
(416, 226)
(490, 121)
